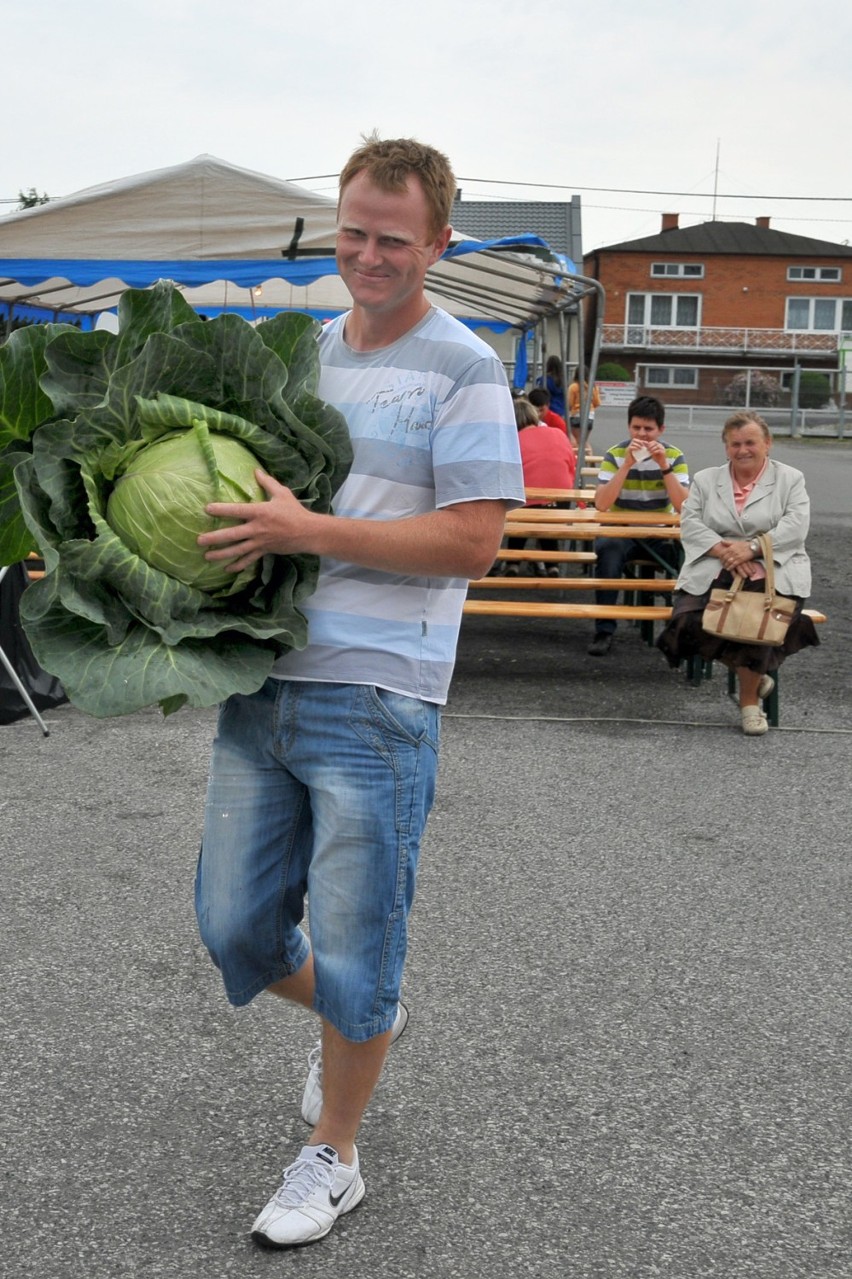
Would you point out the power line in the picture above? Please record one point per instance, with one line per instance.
(694, 213)
(694, 195)
(564, 186)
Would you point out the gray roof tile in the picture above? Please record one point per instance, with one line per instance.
(733, 238)
(556, 222)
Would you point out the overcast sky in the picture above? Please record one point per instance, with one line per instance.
(612, 94)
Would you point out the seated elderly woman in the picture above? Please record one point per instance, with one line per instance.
(728, 507)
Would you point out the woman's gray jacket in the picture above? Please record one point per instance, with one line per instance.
(778, 504)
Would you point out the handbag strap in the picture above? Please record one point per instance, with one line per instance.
(769, 564)
(766, 554)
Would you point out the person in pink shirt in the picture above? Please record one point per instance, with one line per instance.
(726, 510)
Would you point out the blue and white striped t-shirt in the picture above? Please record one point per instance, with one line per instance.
(432, 425)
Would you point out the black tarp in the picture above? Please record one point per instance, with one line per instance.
(45, 690)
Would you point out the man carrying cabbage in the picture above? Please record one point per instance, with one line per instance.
(321, 782)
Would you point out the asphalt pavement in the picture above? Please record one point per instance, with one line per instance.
(629, 983)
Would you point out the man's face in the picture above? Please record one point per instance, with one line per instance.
(644, 428)
(384, 244)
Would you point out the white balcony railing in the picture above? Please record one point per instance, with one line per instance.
(716, 339)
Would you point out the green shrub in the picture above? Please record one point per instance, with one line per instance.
(612, 372)
(814, 391)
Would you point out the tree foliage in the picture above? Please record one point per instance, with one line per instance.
(30, 199)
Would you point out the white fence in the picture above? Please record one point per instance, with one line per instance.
(739, 340)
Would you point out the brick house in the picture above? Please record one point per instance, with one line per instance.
(692, 308)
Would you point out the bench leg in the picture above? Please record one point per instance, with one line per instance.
(644, 572)
(698, 670)
(771, 703)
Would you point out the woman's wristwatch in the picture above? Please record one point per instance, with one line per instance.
(755, 547)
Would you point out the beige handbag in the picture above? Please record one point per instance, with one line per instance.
(750, 617)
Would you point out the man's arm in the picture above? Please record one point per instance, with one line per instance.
(456, 541)
(676, 490)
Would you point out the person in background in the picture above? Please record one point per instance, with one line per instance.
(539, 398)
(640, 474)
(321, 782)
(554, 384)
(727, 508)
(575, 395)
(549, 462)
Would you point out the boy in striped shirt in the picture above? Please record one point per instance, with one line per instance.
(640, 474)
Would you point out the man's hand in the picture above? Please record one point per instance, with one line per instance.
(635, 446)
(278, 526)
(658, 453)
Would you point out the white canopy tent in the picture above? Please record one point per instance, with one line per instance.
(236, 240)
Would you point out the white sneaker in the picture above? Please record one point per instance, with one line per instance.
(765, 687)
(316, 1190)
(312, 1096)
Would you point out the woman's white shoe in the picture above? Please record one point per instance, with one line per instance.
(755, 723)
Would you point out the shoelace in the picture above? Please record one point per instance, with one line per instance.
(315, 1058)
(301, 1179)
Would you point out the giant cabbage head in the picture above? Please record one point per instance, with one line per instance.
(111, 445)
(157, 506)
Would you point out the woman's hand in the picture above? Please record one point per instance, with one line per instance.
(733, 555)
(746, 570)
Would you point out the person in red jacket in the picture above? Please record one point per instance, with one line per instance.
(539, 398)
(548, 461)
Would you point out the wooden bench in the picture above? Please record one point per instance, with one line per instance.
(541, 608)
(547, 557)
(585, 524)
(552, 496)
(576, 525)
(661, 584)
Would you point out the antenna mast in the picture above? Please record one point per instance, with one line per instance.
(716, 180)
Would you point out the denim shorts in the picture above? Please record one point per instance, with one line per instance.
(318, 790)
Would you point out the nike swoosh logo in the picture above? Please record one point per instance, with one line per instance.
(334, 1200)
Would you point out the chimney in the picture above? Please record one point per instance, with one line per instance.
(763, 223)
(670, 221)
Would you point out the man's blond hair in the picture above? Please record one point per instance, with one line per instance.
(389, 162)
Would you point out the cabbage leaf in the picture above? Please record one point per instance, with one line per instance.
(75, 409)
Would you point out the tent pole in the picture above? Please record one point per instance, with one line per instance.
(584, 385)
(592, 367)
(563, 355)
